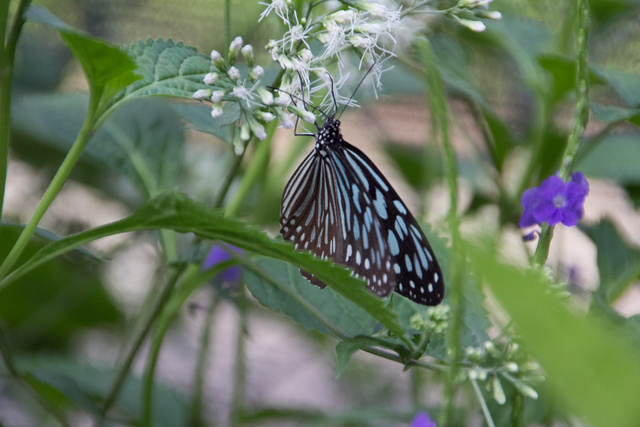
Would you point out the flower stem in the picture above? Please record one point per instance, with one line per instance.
(582, 90)
(580, 120)
(55, 186)
(483, 404)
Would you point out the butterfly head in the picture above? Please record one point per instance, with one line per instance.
(329, 132)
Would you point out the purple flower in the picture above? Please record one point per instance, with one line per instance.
(422, 420)
(555, 201)
(219, 254)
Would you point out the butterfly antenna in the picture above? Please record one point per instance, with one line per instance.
(356, 89)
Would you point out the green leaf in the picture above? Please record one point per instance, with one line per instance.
(282, 288)
(81, 383)
(50, 304)
(608, 114)
(616, 157)
(625, 84)
(589, 364)
(108, 69)
(618, 263)
(144, 140)
(199, 116)
(179, 213)
(167, 69)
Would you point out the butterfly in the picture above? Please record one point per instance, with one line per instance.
(339, 206)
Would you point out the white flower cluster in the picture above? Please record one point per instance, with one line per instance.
(368, 28)
(257, 105)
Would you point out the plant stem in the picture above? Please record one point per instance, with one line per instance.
(239, 370)
(55, 186)
(126, 365)
(7, 58)
(201, 366)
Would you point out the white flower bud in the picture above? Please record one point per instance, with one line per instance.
(235, 45)
(216, 110)
(527, 391)
(476, 26)
(201, 94)
(245, 131)
(343, 16)
(233, 73)
(247, 52)
(215, 56)
(492, 14)
(210, 78)
(284, 119)
(265, 96)
(305, 115)
(217, 95)
(256, 73)
(375, 9)
(264, 116)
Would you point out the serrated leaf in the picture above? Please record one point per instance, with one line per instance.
(589, 365)
(281, 287)
(618, 263)
(167, 69)
(107, 68)
(616, 157)
(179, 213)
(199, 116)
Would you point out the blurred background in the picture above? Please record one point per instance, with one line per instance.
(82, 319)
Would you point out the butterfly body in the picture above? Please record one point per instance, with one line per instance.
(339, 206)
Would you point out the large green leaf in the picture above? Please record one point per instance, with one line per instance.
(616, 157)
(589, 364)
(143, 140)
(179, 213)
(107, 68)
(618, 263)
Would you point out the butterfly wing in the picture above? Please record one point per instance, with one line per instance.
(308, 216)
(382, 240)
(339, 205)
